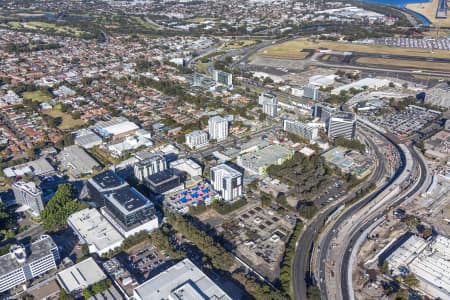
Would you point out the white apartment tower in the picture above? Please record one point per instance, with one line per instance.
(217, 128)
(30, 195)
(227, 181)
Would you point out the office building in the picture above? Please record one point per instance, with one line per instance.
(22, 264)
(105, 182)
(301, 129)
(95, 231)
(227, 181)
(223, 78)
(181, 281)
(196, 139)
(217, 128)
(29, 195)
(269, 103)
(151, 164)
(323, 111)
(80, 276)
(311, 91)
(129, 211)
(341, 125)
(163, 182)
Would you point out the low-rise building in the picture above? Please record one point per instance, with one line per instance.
(80, 276)
(116, 128)
(188, 166)
(258, 161)
(38, 167)
(77, 161)
(301, 129)
(162, 182)
(86, 138)
(95, 231)
(181, 281)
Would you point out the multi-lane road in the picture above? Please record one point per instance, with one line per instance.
(302, 274)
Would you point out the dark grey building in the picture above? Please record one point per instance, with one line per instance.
(163, 181)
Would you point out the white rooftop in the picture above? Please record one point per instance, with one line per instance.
(182, 281)
(95, 229)
(80, 276)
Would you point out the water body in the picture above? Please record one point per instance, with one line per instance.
(402, 4)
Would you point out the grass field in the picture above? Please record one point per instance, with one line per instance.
(413, 65)
(199, 20)
(202, 67)
(292, 49)
(67, 121)
(38, 95)
(36, 25)
(238, 44)
(143, 23)
(428, 10)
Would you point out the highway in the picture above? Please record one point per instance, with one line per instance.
(301, 266)
(345, 266)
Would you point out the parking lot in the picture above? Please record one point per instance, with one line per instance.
(432, 43)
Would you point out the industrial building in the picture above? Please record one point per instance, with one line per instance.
(218, 128)
(258, 161)
(95, 231)
(227, 181)
(196, 139)
(80, 276)
(76, 161)
(181, 281)
(116, 128)
(22, 264)
(428, 260)
(301, 129)
(29, 195)
(86, 138)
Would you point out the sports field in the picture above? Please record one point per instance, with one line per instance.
(292, 49)
(411, 64)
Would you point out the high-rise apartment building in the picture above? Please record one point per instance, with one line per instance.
(223, 78)
(218, 128)
(227, 181)
(269, 104)
(30, 195)
(153, 164)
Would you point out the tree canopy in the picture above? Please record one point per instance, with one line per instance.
(60, 207)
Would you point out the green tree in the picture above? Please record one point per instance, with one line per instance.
(60, 207)
(384, 268)
(411, 280)
(427, 232)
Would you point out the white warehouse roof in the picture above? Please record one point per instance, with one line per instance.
(80, 276)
